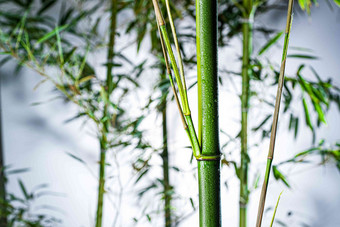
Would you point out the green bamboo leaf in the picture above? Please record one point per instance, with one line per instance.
(46, 5)
(141, 175)
(16, 171)
(52, 33)
(304, 56)
(76, 158)
(307, 116)
(60, 49)
(271, 42)
(23, 190)
(320, 112)
(86, 78)
(296, 127)
(262, 123)
(303, 153)
(302, 4)
(279, 176)
(192, 204)
(337, 2)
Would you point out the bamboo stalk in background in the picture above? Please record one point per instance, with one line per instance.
(247, 34)
(3, 215)
(165, 158)
(276, 116)
(109, 89)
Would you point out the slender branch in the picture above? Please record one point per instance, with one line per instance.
(179, 56)
(168, 69)
(185, 111)
(276, 116)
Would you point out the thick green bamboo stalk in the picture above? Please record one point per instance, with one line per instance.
(247, 51)
(165, 157)
(276, 116)
(208, 169)
(103, 140)
(3, 215)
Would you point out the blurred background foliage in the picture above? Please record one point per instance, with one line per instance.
(62, 47)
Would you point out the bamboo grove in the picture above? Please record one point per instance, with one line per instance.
(35, 40)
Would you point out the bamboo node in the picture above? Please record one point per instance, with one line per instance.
(208, 157)
(247, 20)
(243, 204)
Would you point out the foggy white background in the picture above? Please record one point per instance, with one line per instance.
(37, 137)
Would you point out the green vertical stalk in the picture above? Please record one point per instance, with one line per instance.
(247, 51)
(3, 213)
(101, 188)
(165, 157)
(275, 116)
(109, 89)
(208, 169)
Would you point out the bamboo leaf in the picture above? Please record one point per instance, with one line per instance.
(23, 190)
(60, 49)
(16, 171)
(262, 123)
(307, 116)
(304, 56)
(302, 4)
(47, 4)
(320, 112)
(141, 175)
(52, 33)
(279, 176)
(86, 78)
(270, 43)
(76, 158)
(192, 203)
(337, 2)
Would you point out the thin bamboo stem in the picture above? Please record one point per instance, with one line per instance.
(276, 115)
(208, 169)
(166, 48)
(168, 69)
(276, 206)
(3, 213)
(165, 157)
(247, 51)
(179, 56)
(105, 128)
(179, 81)
(101, 188)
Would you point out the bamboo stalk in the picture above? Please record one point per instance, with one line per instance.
(3, 214)
(208, 169)
(248, 9)
(103, 140)
(247, 51)
(101, 188)
(165, 158)
(276, 115)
